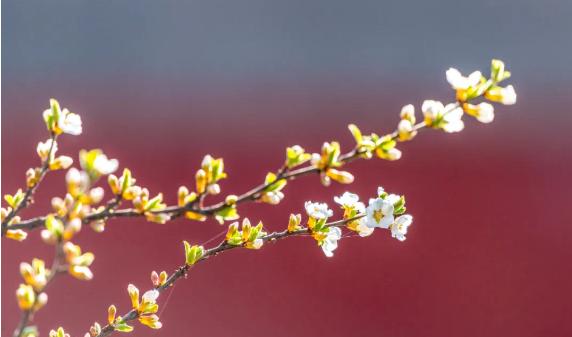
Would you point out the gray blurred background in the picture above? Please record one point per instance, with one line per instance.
(237, 40)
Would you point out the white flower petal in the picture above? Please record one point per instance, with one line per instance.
(150, 296)
(486, 113)
(509, 95)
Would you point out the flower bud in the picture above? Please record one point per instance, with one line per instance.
(81, 272)
(342, 177)
(195, 216)
(43, 149)
(61, 162)
(113, 184)
(16, 234)
(162, 278)
(160, 218)
(133, 295)
(181, 195)
(95, 329)
(272, 198)
(408, 113)
(294, 222)
(41, 301)
(73, 227)
(231, 199)
(26, 296)
(201, 181)
(98, 226)
(32, 177)
(111, 314)
(151, 321)
(155, 278)
(405, 130)
(498, 72)
(213, 189)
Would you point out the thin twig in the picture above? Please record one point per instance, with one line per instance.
(56, 269)
(209, 253)
(29, 193)
(175, 211)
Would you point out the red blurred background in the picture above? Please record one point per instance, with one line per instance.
(488, 254)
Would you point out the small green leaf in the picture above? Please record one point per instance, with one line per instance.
(193, 253)
(126, 180)
(123, 327)
(30, 331)
(55, 226)
(227, 213)
(273, 184)
(356, 133)
(154, 203)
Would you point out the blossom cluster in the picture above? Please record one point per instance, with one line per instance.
(385, 211)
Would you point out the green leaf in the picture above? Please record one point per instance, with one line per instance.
(399, 211)
(30, 331)
(126, 180)
(154, 203)
(400, 203)
(217, 169)
(55, 226)
(356, 133)
(193, 253)
(228, 213)
(273, 184)
(123, 327)
(55, 109)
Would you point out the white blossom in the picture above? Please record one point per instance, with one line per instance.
(447, 117)
(362, 229)
(432, 109)
(43, 149)
(96, 195)
(379, 213)
(272, 198)
(399, 227)
(458, 81)
(392, 198)
(351, 201)
(257, 244)
(452, 118)
(105, 166)
(75, 177)
(317, 210)
(483, 112)
(150, 296)
(315, 159)
(508, 95)
(330, 243)
(69, 122)
(408, 113)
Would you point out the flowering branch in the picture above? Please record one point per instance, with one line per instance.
(57, 121)
(436, 115)
(21, 200)
(81, 204)
(119, 323)
(380, 213)
(31, 296)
